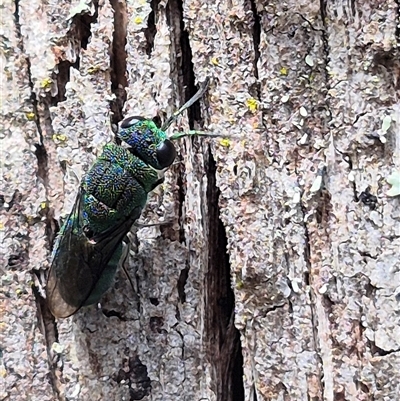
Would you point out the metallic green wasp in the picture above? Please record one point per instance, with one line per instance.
(110, 199)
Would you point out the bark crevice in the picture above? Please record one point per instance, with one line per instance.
(314, 319)
(224, 346)
(46, 321)
(151, 30)
(118, 57)
(256, 37)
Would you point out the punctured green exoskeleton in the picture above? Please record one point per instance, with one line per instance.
(110, 199)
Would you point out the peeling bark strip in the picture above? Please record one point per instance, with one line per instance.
(306, 93)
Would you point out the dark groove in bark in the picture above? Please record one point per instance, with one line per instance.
(224, 347)
(256, 36)
(183, 73)
(48, 328)
(397, 32)
(113, 313)
(326, 49)
(81, 32)
(255, 393)
(46, 321)
(183, 276)
(180, 182)
(62, 78)
(151, 30)
(314, 320)
(81, 26)
(119, 80)
(377, 351)
(189, 86)
(175, 23)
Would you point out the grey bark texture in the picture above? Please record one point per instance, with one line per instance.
(277, 276)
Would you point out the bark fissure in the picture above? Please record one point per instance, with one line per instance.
(113, 313)
(397, 32)
(256, 38)
(46, 321)
(256, 43)
(314, 319)
(377, 351)
(118, 57)
(224, 347)
(79, 34)
(183, 73)
(151, 30)
(183, 276)
(62, 77)
(81, 26)
(48, 328)
(182, 64)
(181, 202)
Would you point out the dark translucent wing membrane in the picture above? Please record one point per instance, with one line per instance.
(62, 267)
(79, 262)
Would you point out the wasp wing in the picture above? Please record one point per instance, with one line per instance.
(78, 262)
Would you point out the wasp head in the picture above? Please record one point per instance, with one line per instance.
(148, 142)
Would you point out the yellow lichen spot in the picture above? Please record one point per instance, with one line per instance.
(243, 143)
(283, 71)
(252, 104)
(239, 284)
(59, 138)
(19, 292)
(46, 83)
(43, 205)
(1, 225)
(93, 69)
(3, 372)
(30, 116)
(138, 20)
(214, 61)
(225, 142)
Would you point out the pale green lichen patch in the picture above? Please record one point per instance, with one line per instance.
(309, 60)
(394, 181)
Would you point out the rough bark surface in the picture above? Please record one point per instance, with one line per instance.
(278, 275)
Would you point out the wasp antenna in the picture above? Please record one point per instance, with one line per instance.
(179, 135)
(192, 100)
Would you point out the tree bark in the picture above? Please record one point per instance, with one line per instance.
(277, 274)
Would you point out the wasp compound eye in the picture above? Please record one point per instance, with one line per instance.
(166, 153)
(130, 121)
